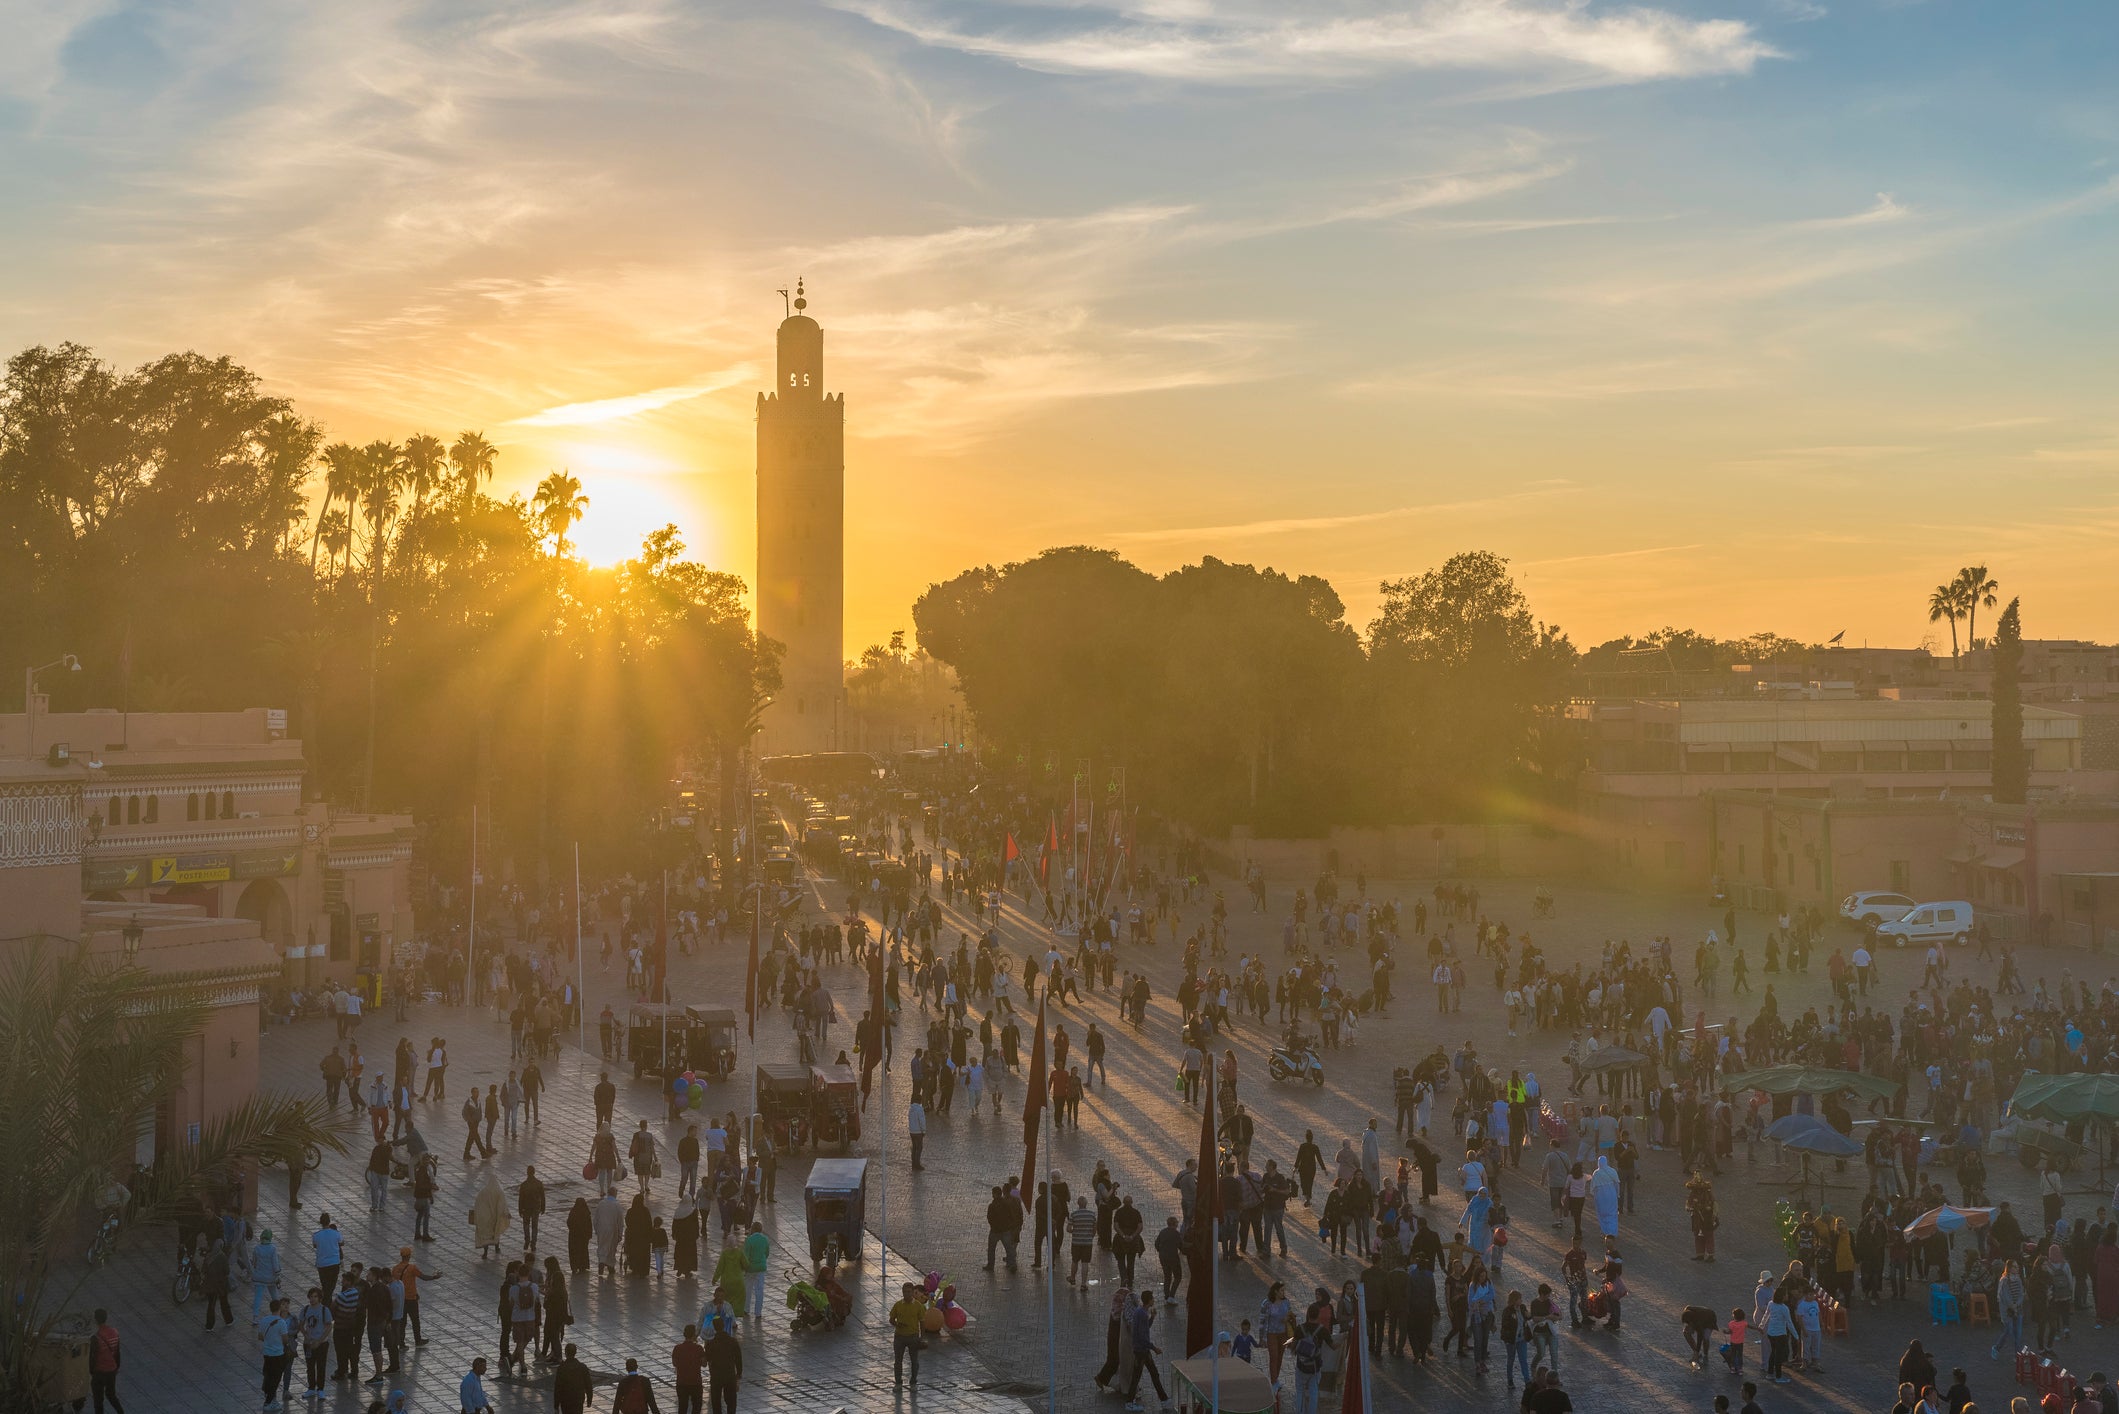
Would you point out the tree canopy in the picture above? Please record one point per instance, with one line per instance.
(1237, 695)
(199, 545)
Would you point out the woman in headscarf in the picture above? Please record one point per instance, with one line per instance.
(609, 1218)
(1478, 1222)
(580, 1228)
(1349, 1163)
(2059, 1283)
(489, 1215)
(558, 1313)
(1604, 1189)
(2104, 1274)
(1114, 1326)
(639, 1231)
(684, 1238)
(728, 1276)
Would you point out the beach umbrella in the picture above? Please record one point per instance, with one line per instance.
(1788, 1126)
(1812, 1080)
(1949, 1218)
(1822, 1139)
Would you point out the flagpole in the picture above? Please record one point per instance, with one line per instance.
(1361, 1335)
(581, 983)
(883, 1225)
(1053, 1218)
(471, 959)
(1214, 1287)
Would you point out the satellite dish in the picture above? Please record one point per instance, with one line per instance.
(1833, 641)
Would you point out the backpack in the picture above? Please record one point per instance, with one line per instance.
(1309, 1355)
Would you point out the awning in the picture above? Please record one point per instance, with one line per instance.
(1883, 746)
(2007, 858)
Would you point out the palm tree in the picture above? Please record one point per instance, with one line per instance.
(424, 458)
(472, 456)
(382, 477)
(342, 480)
(95, 1047)
(288, 445)
(1974, 589)
(1944, 604)
(334, 532)
(560, 505)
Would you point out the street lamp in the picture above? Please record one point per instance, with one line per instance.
(29, 696)
(133, 933)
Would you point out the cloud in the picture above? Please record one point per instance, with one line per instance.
(1499, 379)
(585, 414)
(1883, 211)
(1295, 525)
(1232, 43)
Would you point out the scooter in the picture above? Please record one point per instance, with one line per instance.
(1296, 1061)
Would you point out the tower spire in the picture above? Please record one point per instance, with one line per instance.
(801, 301)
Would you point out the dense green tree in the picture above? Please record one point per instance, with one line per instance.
(198, 544)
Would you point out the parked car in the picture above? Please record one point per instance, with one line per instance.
(1929, 923)
(1871, 907)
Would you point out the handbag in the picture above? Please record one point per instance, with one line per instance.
(588, 1170)
(655, 1169)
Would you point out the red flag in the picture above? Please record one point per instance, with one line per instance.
(1206, 1220)
(873, 1057)
(1354, 1373)
(1033, 1106)
(1052, 835)
(750, 972)
(1010, 853)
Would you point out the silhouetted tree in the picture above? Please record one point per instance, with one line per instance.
(2012, 764)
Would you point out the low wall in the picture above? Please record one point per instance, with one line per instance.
(1410, 852)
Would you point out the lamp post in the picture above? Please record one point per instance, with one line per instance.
(29, 699)
(132, 933)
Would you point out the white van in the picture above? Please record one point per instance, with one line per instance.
(1929, 923)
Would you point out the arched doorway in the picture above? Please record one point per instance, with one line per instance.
(264, 902)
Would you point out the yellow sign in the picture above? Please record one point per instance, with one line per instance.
(188, 869)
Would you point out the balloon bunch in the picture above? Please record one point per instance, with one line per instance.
(944, 1312)
(1784, 1223)
(688, 1090)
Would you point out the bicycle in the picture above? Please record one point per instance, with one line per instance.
(180, 1285)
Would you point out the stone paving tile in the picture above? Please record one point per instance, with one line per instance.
(1138, 1125)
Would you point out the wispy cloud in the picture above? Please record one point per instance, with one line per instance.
(1605, 556)
(599, 410)
(1546, 379)
(1213, 41)
(1298, 525)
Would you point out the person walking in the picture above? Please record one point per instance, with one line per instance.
(489, 1216)
(314, 1323)
(106, 1354)
(471, 1393)
(572, 1384)
(724, 1369)
(757, 1260)
(410, 1274)
(274, 1333)
(916, 1128)
(635, 1393)
(529, 1205)
(905, 1331)
(688, 1372)
(213, 1283)
(265, 1273)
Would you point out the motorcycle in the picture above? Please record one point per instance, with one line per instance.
(180, 1285)
(1295, 1061)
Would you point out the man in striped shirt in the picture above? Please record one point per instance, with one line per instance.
(1081, 1231)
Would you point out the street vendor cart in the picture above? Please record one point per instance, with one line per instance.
(1243, 1387)
(835, 1105)
(835, 1204)
(784, 1104)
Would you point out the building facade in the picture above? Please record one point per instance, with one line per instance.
(1654, 765)
(802, 541)
(207, 811)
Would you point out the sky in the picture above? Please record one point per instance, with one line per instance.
(1737, 315)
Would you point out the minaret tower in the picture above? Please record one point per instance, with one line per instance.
(802, 538)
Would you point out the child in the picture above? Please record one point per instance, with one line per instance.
(1733, 1352)
(1243, 1345)
(1810, 1325)
(658, 1242)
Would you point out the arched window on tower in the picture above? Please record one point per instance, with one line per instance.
(153, 801)
(191, 806)
(132, 810)
(227, 805)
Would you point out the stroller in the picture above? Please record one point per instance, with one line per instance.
(820, 1304)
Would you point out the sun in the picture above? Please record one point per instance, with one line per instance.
(622, 511)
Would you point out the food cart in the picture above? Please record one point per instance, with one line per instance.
(784, 1103)
(835, 1203)
(835, 1110)
(699, 1039)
